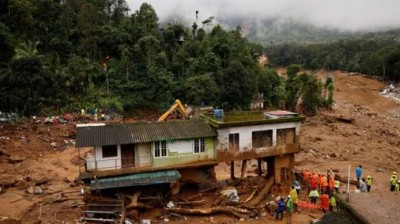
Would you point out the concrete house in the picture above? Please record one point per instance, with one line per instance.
(272, 137)
(117, 155)
(123, 155)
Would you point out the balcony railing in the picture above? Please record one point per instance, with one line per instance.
(117, 163)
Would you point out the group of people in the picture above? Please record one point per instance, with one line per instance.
(364, 184)
(324, 183)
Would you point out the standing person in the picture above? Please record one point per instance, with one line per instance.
(363, 185)
(297, 187)
(393, 181)
(397, 186)
(359, 171)
(336, 185)
(368, 181)
(281, 209)
(289, 208)
(332, 202)
(314, 195)
(324, 184)
(324, 202)
(331, 184)
(294, 196)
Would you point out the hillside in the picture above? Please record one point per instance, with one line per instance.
(34, 153)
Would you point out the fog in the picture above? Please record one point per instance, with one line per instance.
(345, 15)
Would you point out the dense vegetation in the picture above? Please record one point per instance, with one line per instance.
(374, 54)
(64, 55)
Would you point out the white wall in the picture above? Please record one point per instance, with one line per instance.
(245, 134)
(181, 146)
(109, 162)
(143, 154)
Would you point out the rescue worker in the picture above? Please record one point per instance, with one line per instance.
(297, 187)
(363, 185)
(319, 183)
(294, 196)
(332, 202)
(313, 183)
(359, 171)
(331, 184)
(289, 208)
(324, 184)
(324, 202)
(281, 209)
(393, 181)
(397, 186)
(336, 185)
(368, 181)
(314, 195)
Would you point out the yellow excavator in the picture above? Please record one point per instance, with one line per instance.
(177, 106)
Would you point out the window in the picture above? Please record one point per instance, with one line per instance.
(199, 145)
(285, 136)
(109, 151)
(234, 141)
(261, 139)
(160, 149)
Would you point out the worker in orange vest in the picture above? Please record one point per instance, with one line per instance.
(324, 184)
(331, 184)
(325, 202)
(319, 183)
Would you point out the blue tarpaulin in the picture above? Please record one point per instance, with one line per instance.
(137, 179)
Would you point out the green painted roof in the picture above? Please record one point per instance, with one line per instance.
(112, 134)
(235, 119)
(138, 179)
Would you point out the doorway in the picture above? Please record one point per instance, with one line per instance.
(128, 155)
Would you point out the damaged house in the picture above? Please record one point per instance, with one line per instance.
(135, 154)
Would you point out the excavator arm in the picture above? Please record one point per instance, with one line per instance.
(177, 105)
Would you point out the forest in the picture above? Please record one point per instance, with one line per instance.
(376, 54)
(60, 56)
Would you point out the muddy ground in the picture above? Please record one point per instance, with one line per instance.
(37, 155)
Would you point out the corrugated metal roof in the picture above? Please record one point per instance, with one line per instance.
(112, 134)
(138, 179)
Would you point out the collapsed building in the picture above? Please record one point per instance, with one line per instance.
(186, 151)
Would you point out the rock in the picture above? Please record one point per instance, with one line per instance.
(333, 155)
(37, 190)
(53, 144)
(318, 138)
(30, 190)
(327, 157)
(379, 170)
(14, 160)
(242, 219)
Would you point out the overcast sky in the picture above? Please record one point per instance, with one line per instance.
(349, 15)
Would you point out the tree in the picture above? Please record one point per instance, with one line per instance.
(201, 89)
(27, 50)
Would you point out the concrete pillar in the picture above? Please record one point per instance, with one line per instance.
(233, 170)
(244, 169)
(270, 166)
(259, 163)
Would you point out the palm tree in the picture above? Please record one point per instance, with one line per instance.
(27, 50)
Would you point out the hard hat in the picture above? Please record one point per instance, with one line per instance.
(394, 173)
(330, 167)
(368, 176)
(306, 168)
(289, 195)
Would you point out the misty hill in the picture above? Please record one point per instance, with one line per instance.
(281, 31)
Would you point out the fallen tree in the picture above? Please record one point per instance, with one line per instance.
(237, 212)
(263, 192)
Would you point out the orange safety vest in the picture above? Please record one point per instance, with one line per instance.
(331, 183)
(305, 175)
(324, 181)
